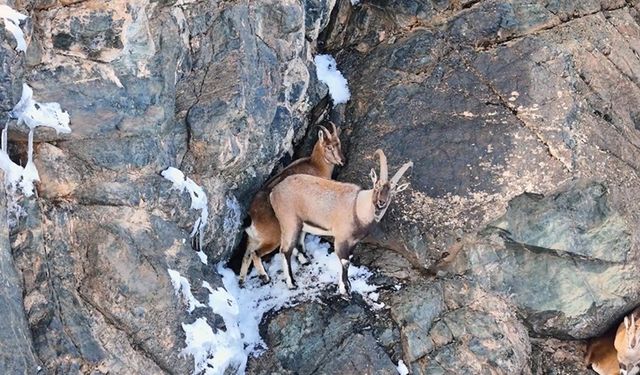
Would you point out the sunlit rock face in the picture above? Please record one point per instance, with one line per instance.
(519, 232)
(217, 89)
(521, 120)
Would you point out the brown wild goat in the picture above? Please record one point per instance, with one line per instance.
(602, 355)
(264, 231)
(618, 351)
(323, 207)
(627, 344)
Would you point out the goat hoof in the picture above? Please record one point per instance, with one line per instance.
(345, 290)
(304, 262)
(293, 286)
(241, 283)
(265, 279)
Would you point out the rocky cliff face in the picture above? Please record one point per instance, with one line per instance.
(520, 116)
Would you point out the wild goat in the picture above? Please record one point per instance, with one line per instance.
(627, 343)
(618, 351)
(329, 208)
(602, 355)
(264, 231)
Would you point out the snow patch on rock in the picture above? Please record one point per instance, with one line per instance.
(328, 73)
(199, 199)
(242, 309)
(12, 20)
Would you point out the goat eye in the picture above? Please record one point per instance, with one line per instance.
(330, 148)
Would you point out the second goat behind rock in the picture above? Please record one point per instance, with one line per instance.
(329, 208)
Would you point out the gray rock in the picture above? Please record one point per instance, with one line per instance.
(217, 89)
(17, 355)
(454, 327)
(556, 357)
(474, 120)
(564, 260)
(326, 339)
(490, 99)
(316, 16)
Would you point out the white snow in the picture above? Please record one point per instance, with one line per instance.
(242, 309)
(198, 197)
(182, 287)
(402, 368)
(32, 114)
(256, 299)
(212, 352)
(35, 114)
(328, 73)
(355, 2)
(202, 256)
(12, 171)
(12, 20)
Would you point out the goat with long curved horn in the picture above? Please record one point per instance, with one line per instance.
(330, 208)
(396, 177)
(264, 231)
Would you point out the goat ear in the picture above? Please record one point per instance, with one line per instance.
(374, 176)
(633, 342)
(400, 188)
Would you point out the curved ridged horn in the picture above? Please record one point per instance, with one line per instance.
(384, 172)
(400, 172)
(326, 132)
(336, 132)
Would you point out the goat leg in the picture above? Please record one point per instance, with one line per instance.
(286, 268)
(301, 254)
(244, 269)
(257, 263)
(342, 251)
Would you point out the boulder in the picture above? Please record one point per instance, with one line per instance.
(328, 338)
(454, 327)
(483, 125)
(565, 260)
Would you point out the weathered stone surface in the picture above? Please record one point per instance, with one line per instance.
(316, 17)
(476, 121)
(563, 260)
(218, 89)
(497, 99)
(17, 355)
(110, 303)
(556, 357)
(520, 116)
(339, 337)
(454, 327)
